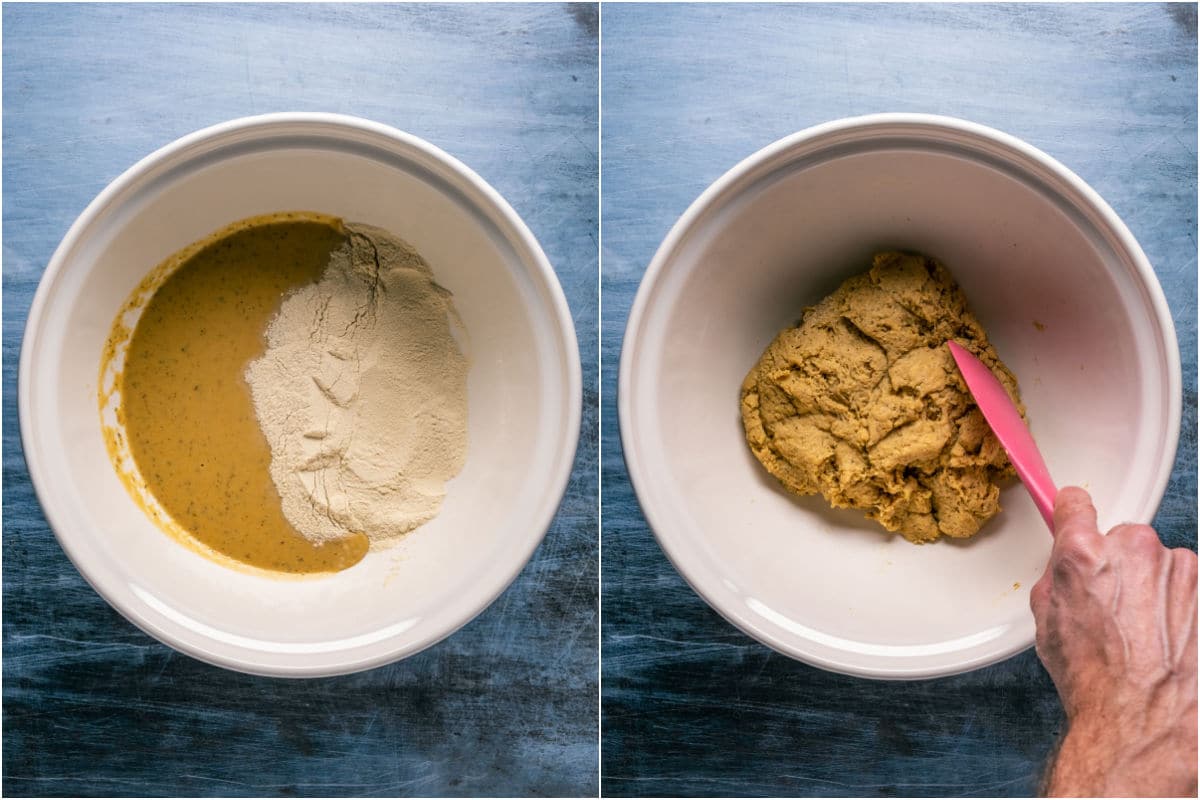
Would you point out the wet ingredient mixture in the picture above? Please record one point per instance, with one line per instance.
(185, 412)
(862, 402)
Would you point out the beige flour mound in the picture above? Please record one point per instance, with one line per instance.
(863, 403)
(362, 393)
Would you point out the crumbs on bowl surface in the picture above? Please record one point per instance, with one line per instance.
(862, 403)
(289, 394)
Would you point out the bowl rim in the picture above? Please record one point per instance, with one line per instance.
(385, 650)
(920, 123)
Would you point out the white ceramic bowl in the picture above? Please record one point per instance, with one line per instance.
(523, 393)
(1031, 244)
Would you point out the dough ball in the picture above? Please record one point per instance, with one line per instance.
(862, 403)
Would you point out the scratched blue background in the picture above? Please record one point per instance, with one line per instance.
(93, 706)
(690, 705)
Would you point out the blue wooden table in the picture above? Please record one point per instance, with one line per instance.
(93, 706)
(690, 705)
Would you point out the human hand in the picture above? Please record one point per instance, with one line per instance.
(1116, 629)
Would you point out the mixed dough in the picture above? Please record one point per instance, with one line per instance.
(862, 402)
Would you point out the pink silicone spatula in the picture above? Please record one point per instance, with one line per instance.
(1010, 429)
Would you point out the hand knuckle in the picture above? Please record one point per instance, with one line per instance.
(1071, 536)
(1076, 544)
(1140, 537)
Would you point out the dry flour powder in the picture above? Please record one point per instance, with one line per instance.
(362, 393)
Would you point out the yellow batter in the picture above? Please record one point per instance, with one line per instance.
(185, 411)
(862, 402)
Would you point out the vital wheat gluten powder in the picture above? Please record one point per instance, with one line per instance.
(362, 393)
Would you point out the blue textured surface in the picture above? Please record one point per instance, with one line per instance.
(93, 706)
(690, 705)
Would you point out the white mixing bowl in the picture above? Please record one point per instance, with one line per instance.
(1057, 280)
(523, 388)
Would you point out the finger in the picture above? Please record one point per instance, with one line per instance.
(1073, 506)
(1185, 562)
(1183, 577)
(1181, 606)
(1138, 538)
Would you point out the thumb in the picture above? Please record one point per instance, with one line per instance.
(1073, 508)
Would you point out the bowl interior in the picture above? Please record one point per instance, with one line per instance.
(520, 396)
(1064, 307)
